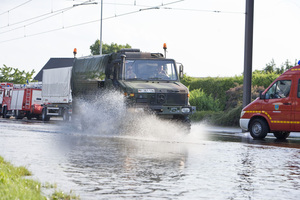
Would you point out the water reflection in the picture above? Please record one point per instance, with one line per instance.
(201, 165)
(246, 138)
(119, 167)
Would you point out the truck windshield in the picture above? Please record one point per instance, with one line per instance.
(150, 70)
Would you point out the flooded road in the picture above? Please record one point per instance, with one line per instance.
(155, 163)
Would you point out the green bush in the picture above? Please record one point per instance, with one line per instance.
(264, 80)
(228, 118)
(220, 118)
(217, 87)
(203, 102)
(204, 115)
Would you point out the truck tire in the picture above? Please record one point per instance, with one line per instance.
(45, 117)
(281, 135)
(66, 115)
(18, 114)
(29, 116)
(186, 122)
(5, 113)
(259, 128)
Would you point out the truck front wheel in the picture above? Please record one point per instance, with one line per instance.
(66, 116)
(45, 117)
(5, 113)
(258, 129)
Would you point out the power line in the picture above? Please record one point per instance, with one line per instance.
(199, 10)
(51, 15)
(36, 17)
(71, 26)
(15, 7)
(114, 16)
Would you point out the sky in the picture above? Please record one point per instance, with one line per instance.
(206, 36)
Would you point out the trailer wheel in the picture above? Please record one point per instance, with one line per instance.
(45, 117)
(281, 135)
(258, 129)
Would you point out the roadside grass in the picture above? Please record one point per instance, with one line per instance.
(14, 184)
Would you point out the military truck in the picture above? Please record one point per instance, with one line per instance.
(150, 82)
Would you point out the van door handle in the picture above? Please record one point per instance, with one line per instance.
(287, 104)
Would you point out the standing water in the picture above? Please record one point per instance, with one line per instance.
(107, 153)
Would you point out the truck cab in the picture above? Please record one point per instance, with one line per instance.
(277, 109)
(151, 82)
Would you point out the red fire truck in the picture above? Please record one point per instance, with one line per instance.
(21, 101)
(5, 89)
(277, 110)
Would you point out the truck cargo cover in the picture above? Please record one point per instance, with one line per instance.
(87, 71)
(89, 67)
(56, 85)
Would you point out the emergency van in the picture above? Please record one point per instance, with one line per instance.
(277, 109)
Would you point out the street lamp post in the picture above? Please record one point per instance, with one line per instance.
(248, 52)
(100, 48)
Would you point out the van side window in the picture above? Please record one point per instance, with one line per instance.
(280, 89)
(298, 89)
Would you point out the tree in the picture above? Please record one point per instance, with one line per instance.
(270, 67)
(14, 75)
(106, 48)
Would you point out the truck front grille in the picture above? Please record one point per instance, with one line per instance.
(169, 99)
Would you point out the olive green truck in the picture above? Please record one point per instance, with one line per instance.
(149, 81)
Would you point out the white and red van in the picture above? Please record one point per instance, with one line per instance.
(277, 109)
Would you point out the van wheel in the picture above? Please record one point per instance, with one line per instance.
(281, 135)
(45, 117)
(258, 129)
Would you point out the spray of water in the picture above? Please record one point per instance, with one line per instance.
(106, 114)
(99, 114)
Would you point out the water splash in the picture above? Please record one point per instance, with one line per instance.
(106, 115)
(99, 114)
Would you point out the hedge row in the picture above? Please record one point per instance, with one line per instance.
(217, 87)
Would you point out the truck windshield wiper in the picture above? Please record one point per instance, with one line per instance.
(155, 78)
(135, 79)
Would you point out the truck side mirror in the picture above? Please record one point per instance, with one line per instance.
(261, 95)
(180, 71)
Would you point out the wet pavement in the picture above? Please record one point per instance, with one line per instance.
(154, 160)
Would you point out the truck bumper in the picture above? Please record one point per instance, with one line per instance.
(244, 124)
(166, 110)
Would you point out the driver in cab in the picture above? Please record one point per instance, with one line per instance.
(162, 72)
(129, 72)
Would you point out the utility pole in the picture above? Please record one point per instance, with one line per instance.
(248, 52)
(100, 48)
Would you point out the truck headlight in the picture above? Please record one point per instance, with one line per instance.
(185, 110)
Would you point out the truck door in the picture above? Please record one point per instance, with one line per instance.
(278, 105)
(116, 74)
(297, 108)
(1, 97)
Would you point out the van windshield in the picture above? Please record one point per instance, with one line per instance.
(150, 70)
(280, 89)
